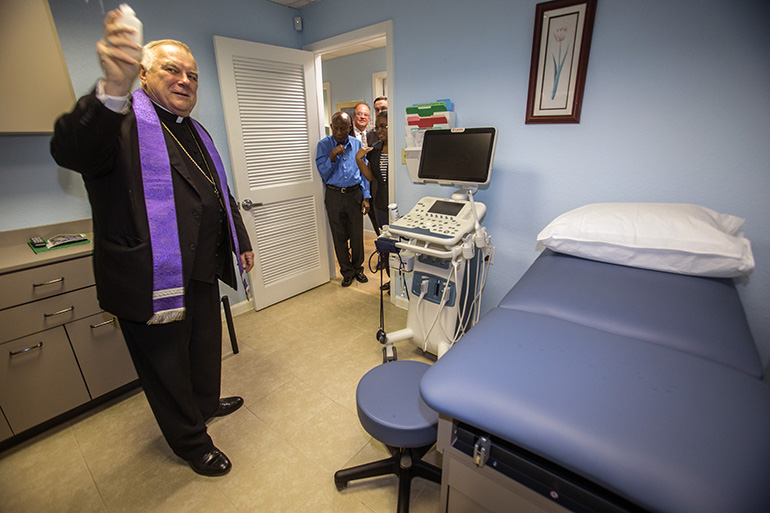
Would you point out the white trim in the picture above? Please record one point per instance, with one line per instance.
(358, 36)
(327, 107)
(241, 308)
(376, 82)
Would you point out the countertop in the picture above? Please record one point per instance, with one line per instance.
(15, 253)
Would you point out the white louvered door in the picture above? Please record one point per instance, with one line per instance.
(271, 113)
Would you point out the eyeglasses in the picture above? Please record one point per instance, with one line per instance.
(381, 127)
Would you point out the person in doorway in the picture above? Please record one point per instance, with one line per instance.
(347, 196)
(367, 136)
(360, 129)
(380, 104)
(165, 229)
(372, 161)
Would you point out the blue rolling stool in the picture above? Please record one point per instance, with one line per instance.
(391, 410)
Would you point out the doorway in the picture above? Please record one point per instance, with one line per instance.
(351, 43)
(245, 67)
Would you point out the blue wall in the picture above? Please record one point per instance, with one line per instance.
(676, 108)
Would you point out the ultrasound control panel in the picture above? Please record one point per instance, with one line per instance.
(438, 221)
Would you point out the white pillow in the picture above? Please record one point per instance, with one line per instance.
(672, 237)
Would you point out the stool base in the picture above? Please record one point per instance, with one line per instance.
(406, 463)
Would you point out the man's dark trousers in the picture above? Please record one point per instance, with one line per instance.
(159, 351)
(346, 221)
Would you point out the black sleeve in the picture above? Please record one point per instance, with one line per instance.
(240, 228)
(86, 139)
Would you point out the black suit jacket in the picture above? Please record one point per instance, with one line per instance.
(102, 146)
(372, 136)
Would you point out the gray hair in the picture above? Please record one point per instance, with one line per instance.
(149, 53)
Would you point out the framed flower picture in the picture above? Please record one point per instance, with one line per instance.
(560, 49)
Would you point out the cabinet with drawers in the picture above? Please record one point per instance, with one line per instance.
(5, 429)
(58, 349)
(103, 357)
(40, 379)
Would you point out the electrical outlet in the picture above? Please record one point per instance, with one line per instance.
(403, 156)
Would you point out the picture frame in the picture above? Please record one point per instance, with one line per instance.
(560, 48)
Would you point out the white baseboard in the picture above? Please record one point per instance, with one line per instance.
(241, 308)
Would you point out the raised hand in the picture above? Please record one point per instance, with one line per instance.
(118, 55)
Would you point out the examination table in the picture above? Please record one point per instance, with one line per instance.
(599, 387)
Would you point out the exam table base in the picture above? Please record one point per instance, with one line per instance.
(470, 488)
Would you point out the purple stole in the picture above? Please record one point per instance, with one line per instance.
(167, 280)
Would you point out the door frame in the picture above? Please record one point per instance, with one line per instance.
(358, 36)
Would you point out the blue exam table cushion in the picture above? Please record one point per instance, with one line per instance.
(665, 429)
(698, 315)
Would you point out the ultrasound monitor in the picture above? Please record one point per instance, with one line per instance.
(457, 156)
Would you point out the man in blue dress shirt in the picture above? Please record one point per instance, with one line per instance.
(347, 196)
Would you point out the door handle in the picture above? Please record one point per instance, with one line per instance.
(248, 205)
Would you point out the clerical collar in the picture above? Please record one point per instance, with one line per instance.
(167, 115)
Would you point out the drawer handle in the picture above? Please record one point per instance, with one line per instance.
(51, 282)
(26, 350)
(60, 312)
(105, 323)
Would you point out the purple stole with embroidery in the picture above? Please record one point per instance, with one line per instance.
(167, 280)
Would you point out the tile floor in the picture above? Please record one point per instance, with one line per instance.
(297, 369)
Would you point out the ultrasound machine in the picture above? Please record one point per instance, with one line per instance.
(439, 251)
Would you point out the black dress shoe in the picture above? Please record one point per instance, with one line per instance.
(385, 286)
(361, 277)
(228, 405)
(346, 281)
(212, 464)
